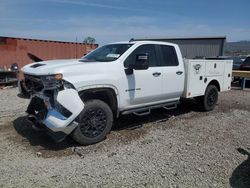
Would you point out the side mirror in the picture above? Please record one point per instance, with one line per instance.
(141, 62)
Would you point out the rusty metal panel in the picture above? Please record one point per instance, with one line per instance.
(14, 50)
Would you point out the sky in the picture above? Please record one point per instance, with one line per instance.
(120, 20)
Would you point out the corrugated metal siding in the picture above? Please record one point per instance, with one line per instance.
(15, 50)
(197, 47)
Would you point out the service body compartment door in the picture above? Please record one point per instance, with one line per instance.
(200, 72)
(214, 68)
(195, 75)
(227, 76)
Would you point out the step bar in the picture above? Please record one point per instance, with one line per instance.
(147, 110)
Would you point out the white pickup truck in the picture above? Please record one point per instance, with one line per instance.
(82, 97)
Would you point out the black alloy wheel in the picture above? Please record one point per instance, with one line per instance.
(95, 122)
(210, 98)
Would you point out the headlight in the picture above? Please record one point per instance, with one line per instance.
(56, 81)
(54, 77)
(52, 81)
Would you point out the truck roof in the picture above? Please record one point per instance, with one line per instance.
(144, 42)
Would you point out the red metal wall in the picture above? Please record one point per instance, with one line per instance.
(14, 50)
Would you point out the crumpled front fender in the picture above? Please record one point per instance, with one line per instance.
(55, 121)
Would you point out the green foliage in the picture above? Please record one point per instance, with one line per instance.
(89, 40)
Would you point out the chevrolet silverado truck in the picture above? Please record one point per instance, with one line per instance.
(82, 97)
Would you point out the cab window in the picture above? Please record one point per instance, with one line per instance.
(169, 57)
(146, 48)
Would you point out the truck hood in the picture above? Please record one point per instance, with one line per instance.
(73, 70)
(50, 67)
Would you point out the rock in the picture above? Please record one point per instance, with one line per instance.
(172, 117)
(163, 175)
(38, 154)
(79, 154)
(200, 170)
(188, 143)
(112, 154)
(73, 149)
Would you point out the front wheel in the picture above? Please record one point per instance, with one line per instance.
(95, 122)
(210, 99)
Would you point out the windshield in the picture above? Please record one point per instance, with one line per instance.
(106, 53)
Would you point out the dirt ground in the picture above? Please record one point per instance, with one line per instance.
(178, 148)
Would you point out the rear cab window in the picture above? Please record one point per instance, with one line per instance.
(168, 55)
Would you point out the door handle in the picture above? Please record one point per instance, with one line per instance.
(156, 74)
(179, 72)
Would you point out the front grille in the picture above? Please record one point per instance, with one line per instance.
(33, 83)
(49, 84)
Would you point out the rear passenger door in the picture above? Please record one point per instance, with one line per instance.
(172, 72)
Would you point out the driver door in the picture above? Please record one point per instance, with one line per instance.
(143, 86)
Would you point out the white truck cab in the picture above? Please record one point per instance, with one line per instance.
(81, 97)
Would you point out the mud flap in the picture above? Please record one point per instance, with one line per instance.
(70, 100)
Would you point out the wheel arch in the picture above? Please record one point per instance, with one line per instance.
(215, 83)
(107, 94)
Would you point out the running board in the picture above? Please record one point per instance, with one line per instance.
(170, 107)
(142, 113)
(147, 110)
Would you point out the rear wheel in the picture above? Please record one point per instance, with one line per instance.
(95, 122)
(210, 99)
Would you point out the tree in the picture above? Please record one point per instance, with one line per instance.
(89, 40)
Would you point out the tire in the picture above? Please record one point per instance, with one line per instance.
(95, 122)
(210, 99)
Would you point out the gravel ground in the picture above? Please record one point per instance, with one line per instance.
(179, 148)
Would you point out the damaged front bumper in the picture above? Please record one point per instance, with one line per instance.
(71, 101)
(57, 112)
